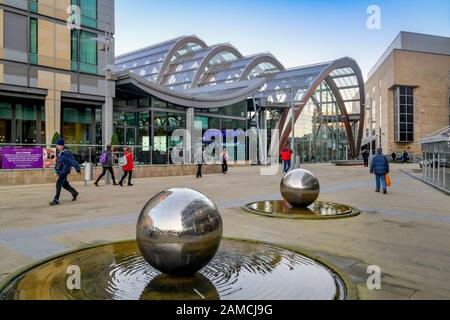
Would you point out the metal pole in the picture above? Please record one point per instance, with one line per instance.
(423, 166)
(294, 162)
(438, 169)
(107, 35)
(432, 168)
(370, 129)
(257, 127)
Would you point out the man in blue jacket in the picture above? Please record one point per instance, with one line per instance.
(64, 164)
(380, 167)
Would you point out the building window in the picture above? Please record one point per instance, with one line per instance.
(88, 10)
(22, 121)
(34, 7)
(33, 41)
(82, 125)
(84, 52)
(404, 114)
(6, 115)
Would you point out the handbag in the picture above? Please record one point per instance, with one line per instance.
(123, 161)
(388, 180)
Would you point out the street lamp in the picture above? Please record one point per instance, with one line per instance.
(294, 162)
(107, 115)
(107, 40)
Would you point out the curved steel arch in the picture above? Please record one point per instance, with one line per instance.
(265, 57)
(341, 105)
(323, 76)
(214, 52)
(177, 46)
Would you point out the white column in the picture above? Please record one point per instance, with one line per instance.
(188, 146)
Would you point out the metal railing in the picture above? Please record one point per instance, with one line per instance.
(91, 153)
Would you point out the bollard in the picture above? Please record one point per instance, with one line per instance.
(88, 172)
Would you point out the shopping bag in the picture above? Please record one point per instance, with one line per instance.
(388, 180)
(123, 161)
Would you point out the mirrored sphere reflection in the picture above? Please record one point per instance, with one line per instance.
(179, 231)
(300, 188)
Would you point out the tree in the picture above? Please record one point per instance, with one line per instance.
(55, 138)
(114, 139)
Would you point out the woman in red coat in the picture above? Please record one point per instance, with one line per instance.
(128, 168)
(286, 155)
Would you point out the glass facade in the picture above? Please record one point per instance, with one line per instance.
(436, 161)
(404, 114)
(232, 123)
(136, 118)
(82, 125)
(188, 66)
(22, 121)
(320, 134)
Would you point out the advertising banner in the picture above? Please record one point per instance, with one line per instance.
(22, 158)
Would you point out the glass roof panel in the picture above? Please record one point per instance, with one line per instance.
(148, 52)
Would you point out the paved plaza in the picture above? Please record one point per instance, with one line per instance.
(406, 233)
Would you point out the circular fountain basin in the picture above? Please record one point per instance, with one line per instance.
(241, 270)
(318, 210)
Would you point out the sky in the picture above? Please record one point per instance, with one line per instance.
(297, 32)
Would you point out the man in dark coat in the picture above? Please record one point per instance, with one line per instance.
(64, 164)
(394, 156)
(405, 157)
(365, 156)
(380, 167)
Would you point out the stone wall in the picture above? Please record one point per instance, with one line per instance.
(429, 74)
(23, 177)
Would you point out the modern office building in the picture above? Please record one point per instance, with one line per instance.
(52, 76)
(184, 81)
(408, 93)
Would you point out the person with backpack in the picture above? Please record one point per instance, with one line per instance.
(225, 157)
(64, 164)
(127, 165)
(380, 167)
(106, 160)
(286, 155)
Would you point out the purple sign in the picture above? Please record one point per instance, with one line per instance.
(22, 158)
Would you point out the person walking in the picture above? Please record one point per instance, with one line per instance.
(199, 160)
(64, 164)
(365, 156)
(405, 157)
(286, 155)
(106, 160)
(380, 167)
(225, 157)
(394, 156)
(128, 166)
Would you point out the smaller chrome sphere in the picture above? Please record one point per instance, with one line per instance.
(300, 188)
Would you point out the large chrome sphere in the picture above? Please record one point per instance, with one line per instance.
(179, 231)
(300, 188)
